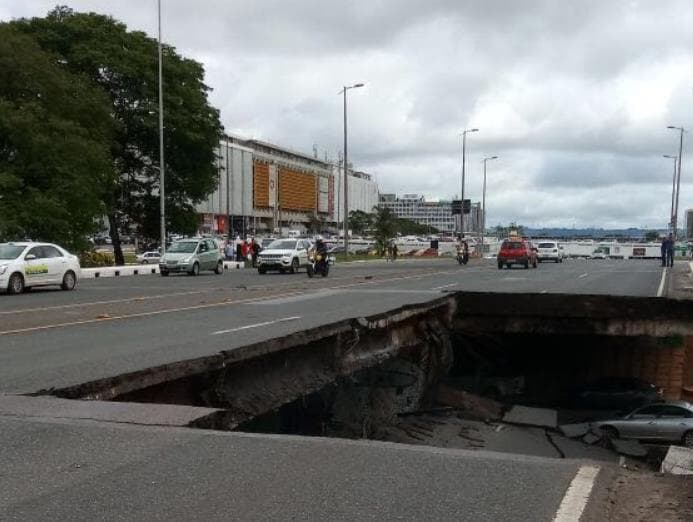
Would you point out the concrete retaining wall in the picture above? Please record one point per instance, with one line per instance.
(133, 270)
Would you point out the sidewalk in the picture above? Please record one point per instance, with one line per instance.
(133, 270)
(680, 280)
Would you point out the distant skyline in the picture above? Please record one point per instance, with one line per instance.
(574, 97)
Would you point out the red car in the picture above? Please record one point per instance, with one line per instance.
(517, 251)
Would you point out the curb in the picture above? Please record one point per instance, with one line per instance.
(135, 270)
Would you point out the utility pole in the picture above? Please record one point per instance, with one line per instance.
(464, 154)
(162, 163)
(675, 215)
(346, 169)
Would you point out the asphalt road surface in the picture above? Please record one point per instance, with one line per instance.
(60, 467)
(52, 339)
(80, 470)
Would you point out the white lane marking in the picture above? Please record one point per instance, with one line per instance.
(92, 303)
(660, 290)
(443, 286)
(583, 275)
(544, 292)
(577, 495)
(226, 302)
(257, 325)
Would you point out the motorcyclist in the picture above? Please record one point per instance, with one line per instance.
(462, 249)
(320, 249)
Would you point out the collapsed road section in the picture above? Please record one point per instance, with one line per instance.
(360, 377)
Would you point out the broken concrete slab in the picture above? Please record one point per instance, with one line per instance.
(632, 448)
(678, 461)
(575, 431)
(527, 416)
(124, 412)
(473, 406)
(590, 438)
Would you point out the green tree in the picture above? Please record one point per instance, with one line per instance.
(360, 221)
(651, 235)
(125, 65)
(410, 227)
(385, 228)
(54, 145)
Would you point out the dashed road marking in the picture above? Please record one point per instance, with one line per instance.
(226, 302)
(256, 325)
(660, 290)
(443, 286)
(582, 276)
(577, 495)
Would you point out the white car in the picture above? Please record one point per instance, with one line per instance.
(284, 255)
(28, 264)
(549, 251)
(149, 258)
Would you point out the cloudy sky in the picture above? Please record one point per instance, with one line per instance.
(574, 97)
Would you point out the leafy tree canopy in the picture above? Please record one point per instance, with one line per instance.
(125, 65)
(55, 136)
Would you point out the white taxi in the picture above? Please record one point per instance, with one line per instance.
(28, 264)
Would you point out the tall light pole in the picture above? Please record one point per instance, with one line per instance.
(483, 205)
(162, 164)
(346, 169)
(464, 154)
(675, 215)
(673, 187)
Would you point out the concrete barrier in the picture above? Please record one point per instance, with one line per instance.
(135, 270)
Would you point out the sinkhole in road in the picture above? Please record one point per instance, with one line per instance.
(470, 353)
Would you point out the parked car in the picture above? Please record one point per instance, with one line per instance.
(284, 255)
(670, 421)
(191, 256)
(149, 257)
(517, 251)
(615, 393)
(549, 251)
(29, 264)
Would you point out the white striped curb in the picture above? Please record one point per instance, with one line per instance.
(133, 270)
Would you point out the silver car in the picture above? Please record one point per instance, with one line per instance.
(670, 421)
(192, 255)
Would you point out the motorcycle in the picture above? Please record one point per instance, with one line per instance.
(462, 257)
(318, 264)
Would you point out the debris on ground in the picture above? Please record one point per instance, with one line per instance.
(678, 461)
(544, 417)
(473, 406)
(639, 497)
(575, 431)
(631, 448)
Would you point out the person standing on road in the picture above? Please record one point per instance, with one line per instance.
(670, 251)
(255, 247)
(239, 249)
(664, 251)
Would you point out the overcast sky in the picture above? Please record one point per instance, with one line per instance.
(573, 96)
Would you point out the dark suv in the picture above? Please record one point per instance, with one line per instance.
(517, 251)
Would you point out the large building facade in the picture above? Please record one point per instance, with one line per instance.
(265, 188)
(436, 214)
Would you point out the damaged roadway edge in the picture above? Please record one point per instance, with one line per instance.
(343, 335)
(251, 380)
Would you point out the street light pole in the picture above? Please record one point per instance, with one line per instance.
(464, 154)
(346, 169)
(673, 187)
(483, 206)
(162, 165)
(675, 216)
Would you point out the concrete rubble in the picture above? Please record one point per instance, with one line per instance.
(678, 461)
(575, 431)
(543, 417)
(631, 448)
(473, 406)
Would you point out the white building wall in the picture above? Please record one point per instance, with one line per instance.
(362, 195)
(234, 193)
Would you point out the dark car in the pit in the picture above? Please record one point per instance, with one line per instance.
(517, 251)
(614, 393)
